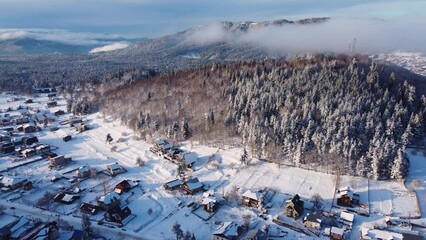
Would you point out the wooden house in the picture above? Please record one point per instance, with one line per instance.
(109, 201)
(44, 231)
(29, 140)
(59, 160)
(172, 154)
(187, 159)
(210, 204)
(89, 208)
(252, 199)
(161, 146)
(29, 152)
(114, 169)
(347, 198)
(74, 120)
(28, 186)
(5, 137)
(117, 214)
(56, 177)
(42, 149)
(192, 186)
(50, 118)
(83, 172)
(81, 127)
(58, 113)
(347, 219)
(337, 233)
(125, 186)
(22, 120)
(29, 128)
(172, 185)
(12, 182)
(294, 207)
(51, 95)
(51, 104)
(228, 231)
(313, 220)
(7, 147)
(256, 234)
(66, 198)
(5, 120)
(40, 118)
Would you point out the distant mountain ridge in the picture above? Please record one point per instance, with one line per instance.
(29, 46)
(172, 52)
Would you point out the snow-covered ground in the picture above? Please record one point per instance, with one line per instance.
(220, 170)
(416, 179)
(415, 62)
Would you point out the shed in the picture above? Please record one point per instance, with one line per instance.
(172, 185)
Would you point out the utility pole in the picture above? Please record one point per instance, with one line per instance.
(353, 46)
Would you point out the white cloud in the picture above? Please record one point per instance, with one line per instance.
(111, 47)
(63, 36)
(10, 34)
(335, 35)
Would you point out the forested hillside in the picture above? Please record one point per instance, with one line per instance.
(350, 114)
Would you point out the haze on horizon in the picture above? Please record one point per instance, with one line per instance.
(148, 18)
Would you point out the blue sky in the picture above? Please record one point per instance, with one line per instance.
(153, 18)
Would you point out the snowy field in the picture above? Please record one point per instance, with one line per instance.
(416, 179)
(220, 170)
(392, 199)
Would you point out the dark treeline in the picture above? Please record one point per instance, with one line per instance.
(348, 113)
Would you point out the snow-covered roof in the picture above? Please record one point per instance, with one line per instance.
(28, 150)
(22, 221)
(114, 166)
(347, 191)
(57, 176)
(382, 234)
(50, 116)
(83, 169)
(41, 147)
(194, 184)
(313, 217)
(67, 198)
(31, 124)
(208, 200)
(190, 158)
(364, 232)
(228, 229)
(165, 144)
(174, 183)
(337, 230)
(347, 216)
(10, 181)
(109, 198)
(252, 195)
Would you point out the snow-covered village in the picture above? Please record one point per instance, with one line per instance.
(212, 120)
(64, 175)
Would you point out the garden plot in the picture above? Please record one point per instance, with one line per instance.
(287, 180)
(416, 180)
(392, 198)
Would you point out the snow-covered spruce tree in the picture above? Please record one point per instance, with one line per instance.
(312, 110)
(177, 231)
(185, 129)
(244, 157)
(86, 226)
(399, 168)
